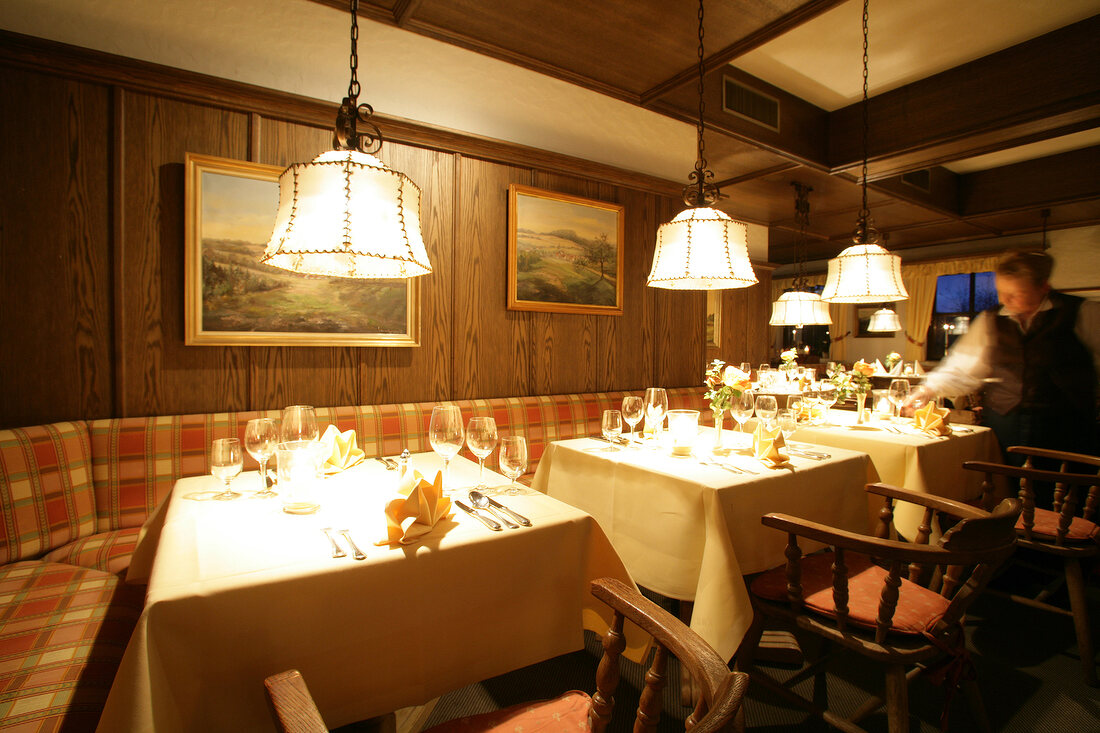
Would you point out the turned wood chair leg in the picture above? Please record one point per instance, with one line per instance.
(1075, 584)
(897, 699)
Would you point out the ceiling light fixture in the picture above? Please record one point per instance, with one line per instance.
(864, 272)
(346, 214)
(884, 320)
(798, 306)
(702, 248)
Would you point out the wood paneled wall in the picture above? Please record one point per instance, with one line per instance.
(91, 259)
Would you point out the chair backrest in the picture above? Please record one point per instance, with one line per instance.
(721, 690)
(1075, 501)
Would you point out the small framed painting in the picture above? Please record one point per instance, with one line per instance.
(231, 299)
(565, 253)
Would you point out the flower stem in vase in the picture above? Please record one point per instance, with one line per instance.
(861, 400)
(719, 419)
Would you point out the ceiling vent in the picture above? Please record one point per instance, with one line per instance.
(749, 104)
(921, 179)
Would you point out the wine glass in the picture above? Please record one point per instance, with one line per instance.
(632, 411)
(766, 407)
(746, 367)
(299, 423)
(446, 435)
(656, 405)
(481, 438)
(612, 426)
(741, 408)
(826, 394)
(794, 404)
(787, 420)
(261, 436)
(899, 390)
(513, 459)
(226, 462)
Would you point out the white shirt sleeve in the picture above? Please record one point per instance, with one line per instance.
(967, 364)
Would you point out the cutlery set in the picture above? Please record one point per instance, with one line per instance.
(488, 508)
(389, 463)
(338, 551)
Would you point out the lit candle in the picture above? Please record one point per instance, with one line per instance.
(683, 426)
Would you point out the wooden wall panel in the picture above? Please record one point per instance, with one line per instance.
(55, 273)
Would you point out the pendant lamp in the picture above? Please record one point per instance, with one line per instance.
(702, 248)
(345, 213)
(884, 320)
(800, 307)
(865, 272)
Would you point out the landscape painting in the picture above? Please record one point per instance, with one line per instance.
(565, 253)
(233, 299)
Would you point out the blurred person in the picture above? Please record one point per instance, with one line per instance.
(1036, 358)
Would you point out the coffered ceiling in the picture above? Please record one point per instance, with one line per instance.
(984, 117)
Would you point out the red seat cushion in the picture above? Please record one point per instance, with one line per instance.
(1046, 527)
(918, 608)
(566, 713)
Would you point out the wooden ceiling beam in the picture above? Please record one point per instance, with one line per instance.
(403, 10)
(1032, 184)
(1041, 88)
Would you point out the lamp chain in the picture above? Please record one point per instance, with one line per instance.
(348, 135)
(700, 191)
(865, 228)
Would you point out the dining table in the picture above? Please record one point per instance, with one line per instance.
(905, 456)
(688, 526)
(239, 590)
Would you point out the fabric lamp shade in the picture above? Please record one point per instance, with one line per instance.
(346, 214)
(800, 308)
(884, 319)
(864, 273)
(702, 249)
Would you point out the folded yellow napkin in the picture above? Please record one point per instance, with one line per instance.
(421, 506)
(339, 450)
(766, 444)
(932, 420)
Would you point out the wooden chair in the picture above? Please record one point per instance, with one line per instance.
(720, 689)
(1067, 530)
(897, 603)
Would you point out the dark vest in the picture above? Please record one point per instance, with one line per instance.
(1047, 368)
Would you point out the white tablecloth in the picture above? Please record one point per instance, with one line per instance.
(239, 590)
(689, 531)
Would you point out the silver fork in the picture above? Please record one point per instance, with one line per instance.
(337, 551)
(356, 552)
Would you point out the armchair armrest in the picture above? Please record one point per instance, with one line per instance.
(947, 506)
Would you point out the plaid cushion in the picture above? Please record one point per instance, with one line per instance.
(45, 487)
(63, 630)
(106, 551)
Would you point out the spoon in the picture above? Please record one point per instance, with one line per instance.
(356, 552)
(337, 551)
(482, 502)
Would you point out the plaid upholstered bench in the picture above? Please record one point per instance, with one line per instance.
(76, 494)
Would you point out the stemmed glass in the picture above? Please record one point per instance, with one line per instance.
(261, 436)
(741, 408)
(481, 438)
(826, 395)
(656, 405)
(766, 407)
(226, 462)
(513, 459)
(787, 423)
(612, 426)
(446, 435)
(299, 423)
(899, 390)
(632, 411)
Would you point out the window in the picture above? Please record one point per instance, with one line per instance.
(958, 299)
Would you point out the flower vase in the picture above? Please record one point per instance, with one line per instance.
(861, 401)
(719, 418)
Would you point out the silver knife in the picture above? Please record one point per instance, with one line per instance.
(516, 516)
(490, 523)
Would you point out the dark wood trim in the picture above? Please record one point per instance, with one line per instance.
(776, 28)
(762, 173)
(403, 10)
(255, 123)
(1056, 179)
(117, 234)
(44, 56)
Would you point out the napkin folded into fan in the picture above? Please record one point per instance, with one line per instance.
(766, 444)
(417, 512)
(896, 371)
(879, 368)
(932, 420)
(339, 450)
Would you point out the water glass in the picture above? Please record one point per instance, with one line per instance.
(612, 426)
(897, 392)
(741, 408)
(481, 439)
(826, 394)
(226, 462)
(446, 435)
(298, 462)
(261, 436)
(632, 410)
(787, 420)
(299, 423)
(766, 407)
(656, 405)
(513, 459)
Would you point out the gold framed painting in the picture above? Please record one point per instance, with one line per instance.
(231, 299)
(565, 253)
